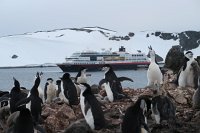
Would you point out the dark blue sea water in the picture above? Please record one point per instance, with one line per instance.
(26, 77)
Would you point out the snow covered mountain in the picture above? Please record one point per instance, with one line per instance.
(53, 46)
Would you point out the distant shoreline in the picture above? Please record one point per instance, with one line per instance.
(11, 67)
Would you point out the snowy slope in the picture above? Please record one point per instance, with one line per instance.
(54, 46)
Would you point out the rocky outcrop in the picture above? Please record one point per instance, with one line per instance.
(189, 39)
(61, 118)
(174, 59)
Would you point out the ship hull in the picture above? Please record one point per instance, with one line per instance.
(97, 67)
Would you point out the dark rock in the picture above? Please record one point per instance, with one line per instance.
(174, 59)
(189, 39)
(58, 117)
(157, 33)
(79, 126)
(131, 34)
(14, 56)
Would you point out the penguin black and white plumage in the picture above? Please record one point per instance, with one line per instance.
(163, 109)
(188, 76)
(153, 73)
(196, 97)
(24, 123)
(15, 96)
(58, 85)
(112, 84)
(35, 101)
(81, 76)
(91, 108)
(3, 94)
(69, 89)
(135, 120)
(49, 91)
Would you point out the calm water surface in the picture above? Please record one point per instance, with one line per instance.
(26, 77)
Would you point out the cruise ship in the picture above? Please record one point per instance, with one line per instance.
(94, 61)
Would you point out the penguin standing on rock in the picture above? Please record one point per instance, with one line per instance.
(35, 101)
(69, 89)
(189, 72)
(134, 120)
(112, 84)
(153, 73)
(16, 95)
(91, 108)
(163, 109)
(49, 91)
(196, 97)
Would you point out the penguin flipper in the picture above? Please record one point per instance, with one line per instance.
(121, 79)
(87, 106)
(155, 108)
(45, 91)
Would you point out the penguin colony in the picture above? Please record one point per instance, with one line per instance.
(78, 92)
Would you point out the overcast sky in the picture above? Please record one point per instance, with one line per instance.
(20, 16)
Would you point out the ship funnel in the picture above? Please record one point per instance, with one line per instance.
(122, 49)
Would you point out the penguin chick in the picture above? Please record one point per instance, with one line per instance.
(50, 90)
(189, 72)
(134, 120)
(163, 109)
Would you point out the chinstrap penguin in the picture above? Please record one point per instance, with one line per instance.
(112, 84)
(69, 89)
(91, 108)
(135, 120)
(15, 96)
(49, 91)
(153, 73)
(188, 74)
(81, 76)
(35, 101)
